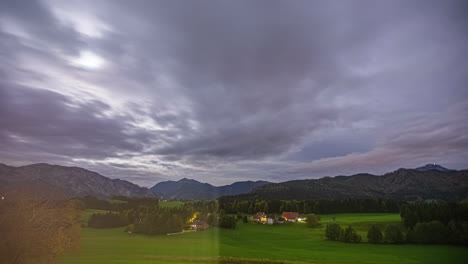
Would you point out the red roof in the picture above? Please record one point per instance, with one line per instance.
(290, 215)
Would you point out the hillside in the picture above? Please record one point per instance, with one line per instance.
(405, 184)
(69, 181)
(188, 189)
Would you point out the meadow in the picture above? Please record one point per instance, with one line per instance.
(257, 243)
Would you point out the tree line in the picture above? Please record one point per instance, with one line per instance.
(421, 223)
(436, 223)
(145, 216)
(231, 205)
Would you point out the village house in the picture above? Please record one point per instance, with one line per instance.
(290, 216)
(260, 217)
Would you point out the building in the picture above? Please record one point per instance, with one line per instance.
(290, 216)
(260, 217)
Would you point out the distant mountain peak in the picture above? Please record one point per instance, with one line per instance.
(433, 166)
(190, 189)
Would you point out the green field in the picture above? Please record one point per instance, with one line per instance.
(170, 203)
(256, 243)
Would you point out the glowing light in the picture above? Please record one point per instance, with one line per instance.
(88, 60)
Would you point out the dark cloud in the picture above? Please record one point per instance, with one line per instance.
(225, 90)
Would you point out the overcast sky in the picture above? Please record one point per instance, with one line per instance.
(223, 91)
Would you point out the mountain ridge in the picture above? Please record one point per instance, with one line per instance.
(190, 189)
(71, 181)
(402, 184)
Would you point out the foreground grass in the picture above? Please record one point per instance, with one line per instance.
(254, 243)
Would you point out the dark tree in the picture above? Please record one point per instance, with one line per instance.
(433, 232)
(244, 219)
(227, 221)
(393, 235)
(374, 235)
(333, 231)
(313, 220)
(349, 235)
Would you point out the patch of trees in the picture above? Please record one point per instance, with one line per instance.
(106, 220)
(227, 221)
(155, 220)
(92, 202)
(334, 232)
(120, 202)
(232, 205)
(203, 207)
(436, 223)
(33, 228)
(133, 202)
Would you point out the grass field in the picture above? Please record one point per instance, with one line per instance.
(170, 203)
(256, 243)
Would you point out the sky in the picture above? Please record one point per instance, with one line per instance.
(225, 91)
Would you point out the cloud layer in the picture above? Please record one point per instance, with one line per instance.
(223, 91)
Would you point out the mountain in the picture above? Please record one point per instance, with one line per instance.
(69, 181)
(188, 189)
(429, 167)
(404, 184)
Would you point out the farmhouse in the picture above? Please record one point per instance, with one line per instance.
(199, 225)
(260, 217)
(290, 216)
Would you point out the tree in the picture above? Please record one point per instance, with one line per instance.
(374, 235)
(333, 231)
(313, 220)
(393, 235)
(409, 217)
(349, 235)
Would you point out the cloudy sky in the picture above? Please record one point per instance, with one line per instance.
(222, 91)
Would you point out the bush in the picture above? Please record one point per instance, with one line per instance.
(374, 235)
(313, 220)
(226, 221)
(349, 235)
(333, 231)
(393, 235)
